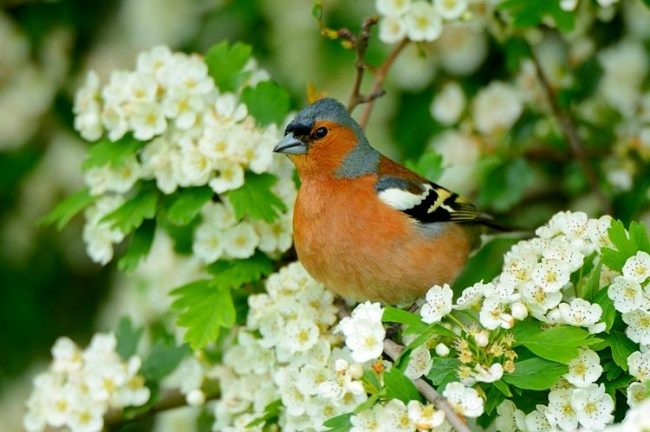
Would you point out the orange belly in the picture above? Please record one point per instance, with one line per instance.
(362, 249)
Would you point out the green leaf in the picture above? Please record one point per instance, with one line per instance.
(186, 204)
(395, 315)
(139, 246)
(625, 247)
(646, 2)
(443, 371)
(494, 398)
(429, 165)
(340, 423)
(621, 348)
(67, 209)
(591, 285)
(162, 360)
(127, 338)
(503, 388)
(255, 198)
(607, 305)
(113, 153)
(398, 386)
(535, 374)
(130, 215)
(424, 336)
(559, 344)
(530, 13)
(639, 235)
(235, 273)
(226, 65)
(271, 412)
(203, 308)
(267, 102)
(317, 9)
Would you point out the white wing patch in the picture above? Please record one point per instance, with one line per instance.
(401, 199)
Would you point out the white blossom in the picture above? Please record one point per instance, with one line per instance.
(560, 411)
(423, 22)
(464, 400)
(638, 322)
(448, 104)
(639, 365)
(584, 369)
(424, 417)
(626, 294)
(637, 267)
(593, 406)
(451, 9)
(496, 108)
(438, 303)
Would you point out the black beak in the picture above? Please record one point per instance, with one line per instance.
(290, 145)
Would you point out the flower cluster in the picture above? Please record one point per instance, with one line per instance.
(419, 21)
(81, 386)
(194, 135)
(364, 332)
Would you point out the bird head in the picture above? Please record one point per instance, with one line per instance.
(322, 138)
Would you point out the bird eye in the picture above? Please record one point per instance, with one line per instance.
(319, 133)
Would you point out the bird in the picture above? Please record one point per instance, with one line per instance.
(365, 226)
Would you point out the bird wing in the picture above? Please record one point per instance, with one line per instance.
(425, 201)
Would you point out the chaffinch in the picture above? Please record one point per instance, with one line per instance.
(365, 226)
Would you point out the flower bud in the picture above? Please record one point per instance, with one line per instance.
(442, 350)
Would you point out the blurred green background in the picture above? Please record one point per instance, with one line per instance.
(49, 288)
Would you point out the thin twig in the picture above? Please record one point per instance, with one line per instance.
(168, 401)
(393, 350)
(360, 44)
(570, 133)
(380, 76)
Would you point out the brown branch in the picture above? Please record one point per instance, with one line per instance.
(380, 77)
(360, 44)
(168, 401)
(393, 350)
(570, 133)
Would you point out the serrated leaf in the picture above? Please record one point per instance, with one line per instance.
(235, 273)
(443, 371)
(535, 374)
(400, 316)
(558, 344)
(130, 215)
(139, 246)
(607, 305)
(113, 153)
(68, 208)
(340, 423)
(621, 347)
(398, 386)
(639, 235)
(127, 338)
(226, 64)
(255, 199)
(162, 360)
(271, 411)
(591, 284)
(267, 102)
(624, 247)
(203, 308)
(186, 204)
(429, 166)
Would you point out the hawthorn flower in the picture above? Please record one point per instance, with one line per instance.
(208, 243)
(438, 303)
(636, 393)
(423, 22)
(451, 9)
(560, 411)
(424, 417)
(626, 294)
(395, 417)
(147, 120)
(580, 313)
(301, 335)
(537, 421)
(464, 400)
(366, 420)
(593, 406)
(489, 375)
(448, 104)
(240, 241)
(392, 8)
(551, 275)
(639, 365)
(392, 29)
(493, 314)
(509, 417)
(638, 322)
(637, 267)
(364, 332)
(472, 296)
(419, 362)
(496, 108)
(584, 369)
(230, 175)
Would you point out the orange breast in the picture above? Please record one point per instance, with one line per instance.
(362, 249)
